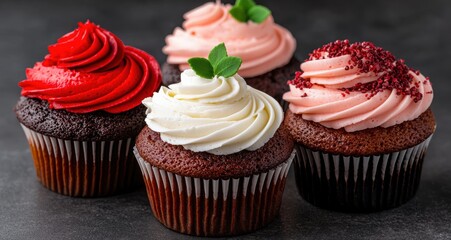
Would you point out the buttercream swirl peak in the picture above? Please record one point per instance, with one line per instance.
(219, 116)
(90, 69)
(88, 48)
(263, 47)
(357, 86)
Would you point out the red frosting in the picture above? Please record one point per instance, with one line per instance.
(90, 69)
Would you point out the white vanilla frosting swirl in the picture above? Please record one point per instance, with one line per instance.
(219, 116)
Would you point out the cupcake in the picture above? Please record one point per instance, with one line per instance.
(213, 157)
(362, 122)
(81, 112)
(249, 32)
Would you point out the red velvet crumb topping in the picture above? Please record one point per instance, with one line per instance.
(300, 82)
(368, 58)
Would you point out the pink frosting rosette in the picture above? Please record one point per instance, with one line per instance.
(262, 46)
(356, 87)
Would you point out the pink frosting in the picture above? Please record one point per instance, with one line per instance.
(262, 47)
(326, 104)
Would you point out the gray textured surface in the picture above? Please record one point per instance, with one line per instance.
(417, 31)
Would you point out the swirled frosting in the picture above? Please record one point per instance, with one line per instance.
(220, 115)
(262, 47)
(332, 100)
(90, 69)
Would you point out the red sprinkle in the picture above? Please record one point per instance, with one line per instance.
(369, 58)
(300, 82)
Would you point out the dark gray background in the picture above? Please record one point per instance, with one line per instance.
(418, 31)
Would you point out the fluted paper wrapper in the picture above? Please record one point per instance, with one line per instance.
(214, 207)
(359, 183)
(84, 168)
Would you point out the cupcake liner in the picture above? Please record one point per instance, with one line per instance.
(214, 207)
(83, 168)
(359, 183)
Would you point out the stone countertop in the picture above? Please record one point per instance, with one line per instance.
(417, 31)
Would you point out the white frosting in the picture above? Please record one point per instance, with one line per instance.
(220, 115)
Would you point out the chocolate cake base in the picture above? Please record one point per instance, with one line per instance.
(203, 194)
(214, 207)
(274, 83)
(358, 183)
(95, 126)
(364, 171)
(82, 155)
(176, 159)
(373, 141)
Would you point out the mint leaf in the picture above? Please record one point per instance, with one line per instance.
(217, 54)
(202, 67)
(245, 10)
(228, 66)
(245, 4)
(238, 13)
(258, 13)
(217, 64)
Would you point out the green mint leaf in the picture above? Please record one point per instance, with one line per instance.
(217, 54)
(258, 13)
(238, 13)
(202, 67)
(245, 4)
(228, 66)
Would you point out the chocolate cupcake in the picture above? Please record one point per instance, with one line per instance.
(213, 157)
(80, 110)
(266, 48)
(362, 123)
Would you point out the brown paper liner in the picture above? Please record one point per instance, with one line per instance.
(358, 183)
(84, 168)
(214, 207)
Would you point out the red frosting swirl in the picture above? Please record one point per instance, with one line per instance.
(90, 69)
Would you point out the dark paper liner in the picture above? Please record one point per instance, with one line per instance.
(214, 207)
(84, 168)
(359, 183)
